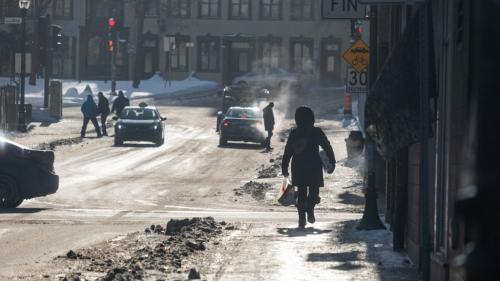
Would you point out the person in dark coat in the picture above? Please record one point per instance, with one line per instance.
(103, 107)
(90, 111)
(302, 148)
(268, 124)
(120, 103)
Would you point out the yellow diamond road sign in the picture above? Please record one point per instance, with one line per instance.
(358, 55)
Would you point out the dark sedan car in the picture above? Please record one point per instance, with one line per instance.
(25, 173)
(242, 124)
(140, 123)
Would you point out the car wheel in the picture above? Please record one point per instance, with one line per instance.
(9, 194)
(160, 142)
(222, 141)
(118, 141)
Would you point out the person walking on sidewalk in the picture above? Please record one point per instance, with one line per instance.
(120, 103)
(302, 148)
(103, 107)
(90, 111)
(268, 124)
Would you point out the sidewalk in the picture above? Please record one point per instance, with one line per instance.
(332, 250)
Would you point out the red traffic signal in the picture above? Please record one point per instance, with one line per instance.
(111, 22)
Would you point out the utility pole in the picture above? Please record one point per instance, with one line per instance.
(24, 5)
(371, 219)
(48, 63)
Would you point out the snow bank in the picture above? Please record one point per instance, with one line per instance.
(156, 87)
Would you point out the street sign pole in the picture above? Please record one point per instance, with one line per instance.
(371, 219)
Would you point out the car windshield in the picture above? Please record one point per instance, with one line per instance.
(138, 114)
(243, 113)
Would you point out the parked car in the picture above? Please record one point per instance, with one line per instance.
(140, 123)
(242, 124)
(268, 77)
(25, 173)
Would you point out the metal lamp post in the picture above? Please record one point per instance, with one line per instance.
(24, 5)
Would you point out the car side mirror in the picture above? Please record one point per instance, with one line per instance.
(163, 118)
(115, 118)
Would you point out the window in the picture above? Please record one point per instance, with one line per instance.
(63, 8)
(151, 8)
(95, 51)
(179, 8)
(179, 58)
(209, 8)
(208, 54)
(302, 56)
(302, 10)
(239, 9)
(270, 51)
(270, 9)
(8, 7)
(62, 62)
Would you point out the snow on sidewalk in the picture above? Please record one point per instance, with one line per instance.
(332, 250)
(75, 92)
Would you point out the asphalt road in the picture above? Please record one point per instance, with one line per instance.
(106, 190)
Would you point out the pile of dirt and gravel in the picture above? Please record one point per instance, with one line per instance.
(158, 253)
(52, 145)
(256, 189)
(271, 171)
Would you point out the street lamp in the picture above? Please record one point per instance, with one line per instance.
(24, 5)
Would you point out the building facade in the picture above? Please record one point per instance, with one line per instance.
(436, 179)
(222, 39)
(217, 39)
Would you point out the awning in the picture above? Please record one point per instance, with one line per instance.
(393, 105)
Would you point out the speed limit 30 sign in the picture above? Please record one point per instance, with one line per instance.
(356, 81)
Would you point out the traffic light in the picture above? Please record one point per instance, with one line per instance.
(57, 36)
(111, 34)
(111, 46)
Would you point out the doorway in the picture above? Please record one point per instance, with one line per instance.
(330, 62)
(238, 56)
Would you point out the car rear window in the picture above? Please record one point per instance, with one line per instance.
(243, 113)
(139, 114)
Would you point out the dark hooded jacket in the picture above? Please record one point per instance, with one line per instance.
(302, 148)
(119, 104)
(103, 105)
(268, 118)
(89, 108)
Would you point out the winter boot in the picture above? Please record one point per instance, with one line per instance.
(302, 219)
(310, 215)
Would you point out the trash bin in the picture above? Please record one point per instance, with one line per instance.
(55, 99)
(354, 144)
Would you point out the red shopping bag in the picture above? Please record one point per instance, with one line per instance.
(288, 196)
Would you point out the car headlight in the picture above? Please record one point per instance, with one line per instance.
(155, 127)
(120, 126)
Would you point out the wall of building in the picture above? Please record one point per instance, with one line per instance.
(285, 29)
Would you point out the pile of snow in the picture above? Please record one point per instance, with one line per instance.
(76, 92)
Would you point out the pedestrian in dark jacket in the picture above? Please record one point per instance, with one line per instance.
(120, 103)
(302, 148)
(103, 107)
(90, 111)
(268, 124)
